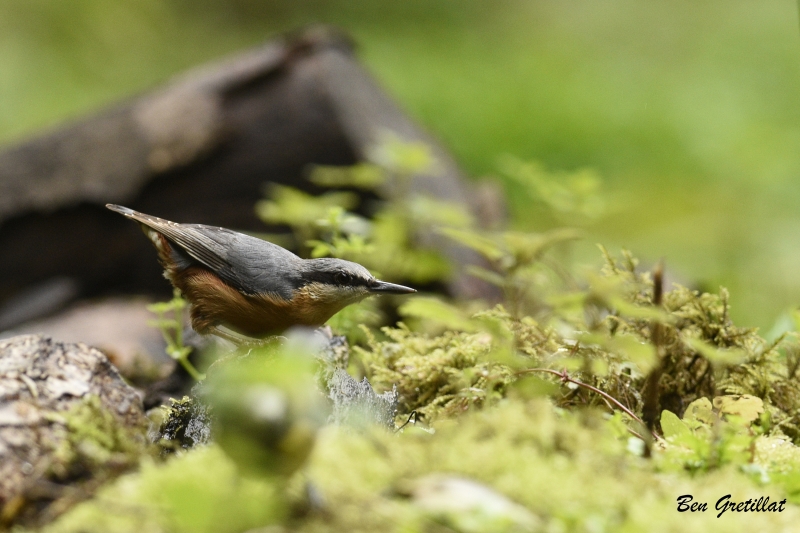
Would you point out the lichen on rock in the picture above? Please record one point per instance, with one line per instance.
(66, 416)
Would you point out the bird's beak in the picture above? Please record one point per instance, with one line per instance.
(383, 287)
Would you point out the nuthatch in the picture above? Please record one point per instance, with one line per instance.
(251, 286)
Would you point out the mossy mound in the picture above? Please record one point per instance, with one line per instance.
(592, 402)
(569, 471)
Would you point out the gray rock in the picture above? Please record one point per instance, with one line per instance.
(468, 506)
(356, 404)
(353, 403)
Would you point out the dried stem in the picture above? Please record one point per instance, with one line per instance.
(567, 378)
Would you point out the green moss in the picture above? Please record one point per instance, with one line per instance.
(95, 443)
(572, 470)
(77, 451)
(196, 492)
(610, 336)
(436, 376)
(561, 463)
(184, 424)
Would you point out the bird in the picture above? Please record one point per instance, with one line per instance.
(245, 289)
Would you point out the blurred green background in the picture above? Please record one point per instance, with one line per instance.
(690, 111)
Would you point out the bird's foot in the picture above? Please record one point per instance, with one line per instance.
(243, 341)
(269, 342)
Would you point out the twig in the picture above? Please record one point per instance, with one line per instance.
(651, 391)
(412, 419)
(567, 378)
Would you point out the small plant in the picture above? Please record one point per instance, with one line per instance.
(394, 242)
(518, 263)
(171, 318)
(573, 198)
(712, 435)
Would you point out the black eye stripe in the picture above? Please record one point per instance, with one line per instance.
(346, 278)
(336, 277)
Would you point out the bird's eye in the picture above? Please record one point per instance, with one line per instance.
(341, 278)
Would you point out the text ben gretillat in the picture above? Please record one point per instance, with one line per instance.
(724, 504)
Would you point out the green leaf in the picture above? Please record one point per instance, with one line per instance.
(438, 311)
(700, 411)
(296, 208)
(320, 248)
(630, 347)
(486, 275)
(472, 239)
(402, 157)
(531, 386)
(717, 356)
(528, 247)
(428, 211)
(361, 176)
(674, 428)
(571, 196)
(159, 307)
(745, 406)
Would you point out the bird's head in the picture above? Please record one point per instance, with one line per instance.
(339, 283)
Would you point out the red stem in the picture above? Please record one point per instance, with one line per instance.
(566, 378)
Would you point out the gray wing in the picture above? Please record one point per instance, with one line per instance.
(251, 265)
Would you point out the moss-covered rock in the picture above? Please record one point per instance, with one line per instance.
(196, 492)
(68, 423)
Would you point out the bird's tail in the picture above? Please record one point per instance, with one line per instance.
(172, 259)
(130, 213)
(146, 220)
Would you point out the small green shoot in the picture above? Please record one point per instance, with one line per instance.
(171, 317)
